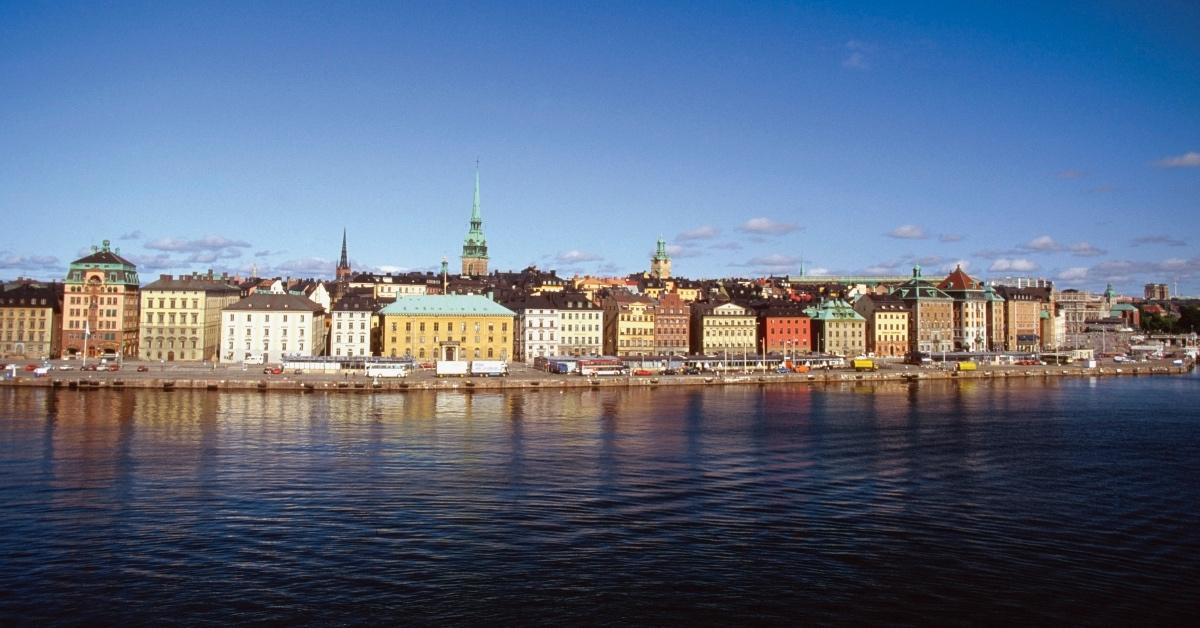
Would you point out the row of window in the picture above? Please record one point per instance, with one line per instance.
(21, 337)
(20, 324)
(182, 303)
(170, 317)
(449, 326)
(20, 313)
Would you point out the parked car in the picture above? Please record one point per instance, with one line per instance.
(691, 370)
(643, 372)
(114, 367)
(88, 367)
(273, 370)
(142, 368)
(31, 367)
(66, 367)
(670, 372)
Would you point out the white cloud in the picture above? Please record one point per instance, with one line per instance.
(1075, 273)
(575, 256)
(1019, 265)
(766, 226)
(705, 232)
(1158, 239)
(28, 262)
(206, 243)
(676, 250)
(907, 232)
(950, 237)
(1042, 244)
(1187, 160)
(136, 234)
(1084, 249)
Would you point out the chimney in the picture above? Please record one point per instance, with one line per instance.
(164, 278)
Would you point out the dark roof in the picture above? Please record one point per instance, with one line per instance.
(23, 295)
(263, 301)
(355, 303)
(103, 256)
(571, 301)
(780, 311)
(188, 282)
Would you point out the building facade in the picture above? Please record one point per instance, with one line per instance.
(1022, 319)
(475, 251)
(887, 320)
(784, 329)
(581, 323)
(269, 326)
(30, 325)
(354, 327)
(672, 323)
(838, 329)
(723, 328)
(448, 327)
(970, 310)
(628, 324)
(538, 328)
(100, 305)
(1157, 292)
(931, 314)
(181, 317)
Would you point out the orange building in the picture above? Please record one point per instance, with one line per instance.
(101, 298)
(785, 329)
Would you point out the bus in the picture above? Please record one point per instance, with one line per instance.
(602, 367)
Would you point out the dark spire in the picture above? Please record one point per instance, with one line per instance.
(343, 263)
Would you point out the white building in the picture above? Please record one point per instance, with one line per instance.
(271, 326)
(538, 328)
(580, 324)
(355, 326)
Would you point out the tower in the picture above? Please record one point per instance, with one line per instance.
(475, 254)
(660, 264)
(343, 268)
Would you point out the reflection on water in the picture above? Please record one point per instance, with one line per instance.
(1062, 500)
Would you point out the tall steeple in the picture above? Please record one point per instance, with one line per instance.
(475, 253)
(343, 267)
(660, 264)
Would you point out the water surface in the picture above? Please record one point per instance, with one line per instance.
(1057, 501)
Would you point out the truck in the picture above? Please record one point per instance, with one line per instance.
(489, 368)
(451, 368)
(864, 364)
(968, 366)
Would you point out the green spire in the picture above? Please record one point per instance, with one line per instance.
(475, 244)
(476, 219)
(661, 253)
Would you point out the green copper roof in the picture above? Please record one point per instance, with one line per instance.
(661, 254)
(475, 244)
(446, 305)
(834, 310)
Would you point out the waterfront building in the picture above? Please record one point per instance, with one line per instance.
(672, 321)
(354, 326)
(538, 328)
(931, 321)
(838, 329)
(581, 322)
(270, 326)
(30, 325)
(994, 313)
(628, 323)
(887, 321)
(1022, 318)
(970, 310)
(1080, 308)
(100, 301)
(448, 327)
(660, 264)
(784, 329)
(181, 317)
(1157, 292)
(723, 327)
(475, 251)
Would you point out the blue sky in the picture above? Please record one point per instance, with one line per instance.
(1015, 138)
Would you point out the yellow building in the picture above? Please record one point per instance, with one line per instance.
(628, 324)
(29, 325)
(448, 327)
(181, 318)
(727, 327)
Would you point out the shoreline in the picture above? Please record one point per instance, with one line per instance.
(361, 384)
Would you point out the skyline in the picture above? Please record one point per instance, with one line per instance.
(1051, 142)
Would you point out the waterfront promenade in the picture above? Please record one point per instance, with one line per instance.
(181, 376)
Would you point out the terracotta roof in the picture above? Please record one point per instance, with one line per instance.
(959, 280)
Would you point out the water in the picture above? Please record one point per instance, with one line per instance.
(1065, 501)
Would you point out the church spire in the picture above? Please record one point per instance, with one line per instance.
(475, 252)
(343, 268)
